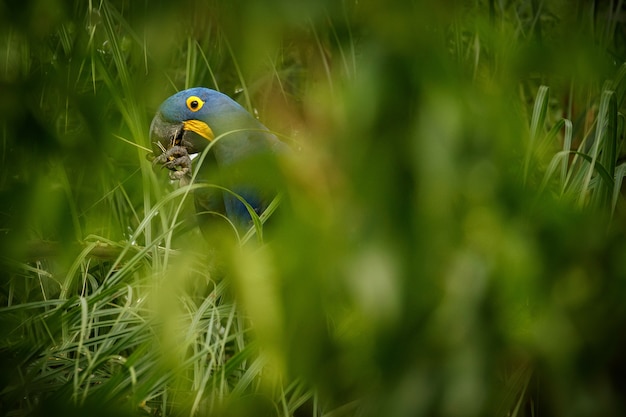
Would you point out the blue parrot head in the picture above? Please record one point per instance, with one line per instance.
(182, 120)
(192, 118)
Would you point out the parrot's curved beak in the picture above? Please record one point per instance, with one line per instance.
(194, 135)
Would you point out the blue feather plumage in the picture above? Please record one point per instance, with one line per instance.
(243, 152)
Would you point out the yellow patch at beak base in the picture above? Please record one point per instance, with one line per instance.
(200, 128)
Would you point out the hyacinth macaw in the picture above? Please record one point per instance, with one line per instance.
(242, 159)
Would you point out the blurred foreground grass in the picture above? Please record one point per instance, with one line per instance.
(450, 244)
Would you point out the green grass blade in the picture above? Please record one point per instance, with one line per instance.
(537, 125)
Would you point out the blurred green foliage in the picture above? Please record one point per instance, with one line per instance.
(442, 249)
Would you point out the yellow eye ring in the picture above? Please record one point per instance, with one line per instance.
(194, 103)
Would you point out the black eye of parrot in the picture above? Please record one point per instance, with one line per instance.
(194, 103)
